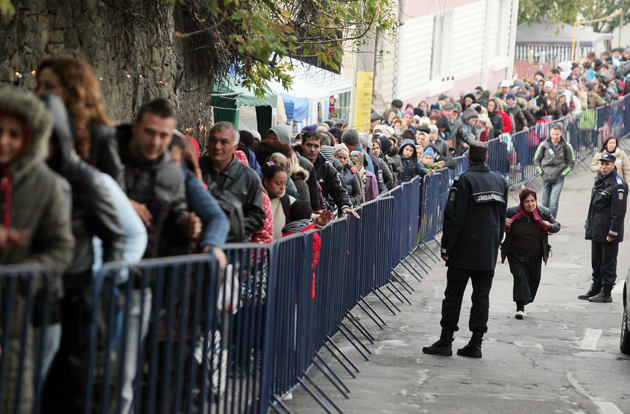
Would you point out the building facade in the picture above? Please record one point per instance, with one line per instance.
(445, 47)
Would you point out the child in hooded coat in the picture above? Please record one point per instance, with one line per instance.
(411, 166)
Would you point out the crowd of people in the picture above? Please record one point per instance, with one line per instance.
(79, 191)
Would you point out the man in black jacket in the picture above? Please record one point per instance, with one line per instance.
(604, 228)
(474, 221)
(327, 175)
(154, 184)
(222, 171)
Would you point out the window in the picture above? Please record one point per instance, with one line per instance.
(504, 28)
(442, 28)
(500, 35)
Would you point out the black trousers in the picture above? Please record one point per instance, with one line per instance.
(604, 262)
(526, 272)
(457, 279)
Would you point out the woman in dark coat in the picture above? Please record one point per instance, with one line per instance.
(495, 118)
(526, 245)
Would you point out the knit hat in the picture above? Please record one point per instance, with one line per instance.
(397, 103)
(435, 105)
(510, 96)
(408, 112)
(341, 149)
(309, 128)
(358, 157)
(506, 83)
(548, 84)
(380, 128)
(483, 118)
(430, 152)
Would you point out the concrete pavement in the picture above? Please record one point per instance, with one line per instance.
(562, 358)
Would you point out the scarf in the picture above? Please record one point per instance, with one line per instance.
(296, 226)
(523, 214)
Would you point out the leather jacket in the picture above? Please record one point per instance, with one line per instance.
(93, 211)
(104, 154)
(160, 186)
(244, 184)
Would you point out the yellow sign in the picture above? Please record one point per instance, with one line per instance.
(363, 101)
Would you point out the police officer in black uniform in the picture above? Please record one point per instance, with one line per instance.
(474, 222)
(604, 228)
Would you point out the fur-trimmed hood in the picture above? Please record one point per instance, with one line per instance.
(27, 106)
(521, 102)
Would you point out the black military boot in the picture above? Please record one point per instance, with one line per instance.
(473, 349)
(603, 296)
(594, 290)
(443, 346)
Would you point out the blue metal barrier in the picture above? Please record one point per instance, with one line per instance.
(180, 335)
(24, 316)
(431, 206)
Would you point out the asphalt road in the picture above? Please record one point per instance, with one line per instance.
(562, 358)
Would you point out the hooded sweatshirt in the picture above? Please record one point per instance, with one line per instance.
(411, 166)
(283, 132)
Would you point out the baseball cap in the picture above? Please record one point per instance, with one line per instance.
(608, 157)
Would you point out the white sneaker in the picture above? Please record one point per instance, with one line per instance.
(520, 315)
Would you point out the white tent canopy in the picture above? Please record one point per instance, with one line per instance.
(544, 33)
(313, 83)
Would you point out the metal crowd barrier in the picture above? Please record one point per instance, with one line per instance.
(25, 310)
(179, 335)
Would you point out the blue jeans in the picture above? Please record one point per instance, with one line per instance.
(551, 195)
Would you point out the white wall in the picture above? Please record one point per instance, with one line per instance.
(478, 46)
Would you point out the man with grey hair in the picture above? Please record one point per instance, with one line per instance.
(224, 173)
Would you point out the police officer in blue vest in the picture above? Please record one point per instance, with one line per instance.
(604, 228)
(474, 222)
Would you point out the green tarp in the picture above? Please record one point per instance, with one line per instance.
(228, 97)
